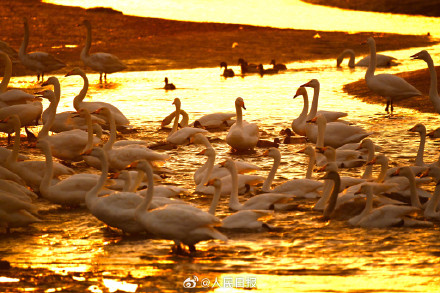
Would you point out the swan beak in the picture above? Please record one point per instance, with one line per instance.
(306, 84)
(266, 153)
(301, 151)
(322, 169)
(114, 175)
(321, 150)
(202, 152)
(415, 56)
(86, 153)
(424, 173)
(413, 129)
(313, 120)
(97, 111)
(222, 164)
(243, 106)
(396, 173)
(430, 134)
(132, 165)
(372, 162)
(210, 182)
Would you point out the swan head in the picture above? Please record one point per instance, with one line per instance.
(319, 120)
(102, 111)
(273, 153)
(301, 91)
(433, 172)
(217, 183)
(177, 102)
(314, 83)
(371, 41)
(422, 55)
(51, 80)
(166, 80)
(207, 152)
(223, 64)
(87, 23)
(47, 94)
(142, 165)
(331, 175)
(239, 102)
(75, 71)
(419, 127)
(365, 143)
(403, 171)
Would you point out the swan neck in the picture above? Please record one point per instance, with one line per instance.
(433, 91)
(7, 74)
(314, 107)
(52, 109)
(86, 49)
(15, 148)
(421, 150)
(432, 204)
(48, 172)
(368, 204)
(368, 173)
(310, 165)
(415, 200)
(92, 195)
(234, 203)
(321, 133)
(208, 166)
(176, 119)
(185, 118)
(383, 172)
(239, 117)
(372, 64)
(111, 141)
(82, 94)
(89, 144)
(139, 177)
(25, 42)
(333, 198)
(215, 200)
(145, 204)
(268, 182)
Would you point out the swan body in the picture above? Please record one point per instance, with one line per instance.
(103, 63)
(41, 62)
(263, 71)
(227, 72)
(433, 91)
(432, 207)
(16, 219)
(242, 135)
(168, 86)
(215, 120)
(278, 66)
(392, 87)
(18, 190)
(78, 103)
(184, 224)
(247, 68)
(381, 60)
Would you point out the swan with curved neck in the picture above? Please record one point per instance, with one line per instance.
(242, 135)
(7, 72)
(184, 224)
(329, 115)
(41, 62)
(104, 63)
(433, 91)
(302, 187)
(421, 129)
(381, 60)
(299, 124)
(78, 103)
(432, 208)
(389, 86)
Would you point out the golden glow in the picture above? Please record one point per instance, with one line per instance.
(8, 280)
(123, 286)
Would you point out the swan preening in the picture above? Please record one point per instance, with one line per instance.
(381, 60)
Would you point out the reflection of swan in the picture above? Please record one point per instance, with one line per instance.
(433, 92)
(242, 135)
(102, 62)
(263, 201)
(78, 103)
(301, 187)
(41, 62)
(181, 136)
(243, 219)
(329, 115)
(227, 72)
(389, 86)
(381, 60)
(169, 86)
(184, 224)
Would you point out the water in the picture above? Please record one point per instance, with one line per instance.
(302, 254)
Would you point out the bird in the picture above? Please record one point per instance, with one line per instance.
(278, 66)
(433, 91)
(169, 86)
(41, 62)
(246, 67)
(104, 63)
(227, 72)
(263, 71)
(381, 60)
(242, 135)
(389, 86)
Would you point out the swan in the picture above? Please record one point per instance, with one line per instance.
(392, 87)
(41, 62)
(215, 120)
(102, 62)
(263, 71)
(263, 201)
(434, 133)
(433, 91)
(329, 115)
(342, 158)
(168, 86)
(182, 135)
(278, 66)
(18, 190)
(78, 103)
(184, 224)
(432, 208)
(381, 60)
(299, 124)
(247, 68)
(170, 118)
(15, 213)
(227, 72)
(120, 157)
(421, 129)
(243, 219)
(29, 171)
(11, 52)
(303, 187)
(6, 174)
(242, 135)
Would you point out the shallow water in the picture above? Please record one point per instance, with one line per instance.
(303, 254)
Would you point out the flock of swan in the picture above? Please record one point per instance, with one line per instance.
(134, 203)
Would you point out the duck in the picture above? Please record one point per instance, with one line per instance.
(242, 135)
(183, 224)
(104, 63)
(278, 66)
(121, 120)
(381, 60)
(248, 220)
(246, 67)
(227, 72)
(263, 71)
(300, 187)
(291, 138)
(168, 86)
(40, 62)
(389, 86)
(433, 91)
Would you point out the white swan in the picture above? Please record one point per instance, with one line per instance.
(263, 201)
(184, 224)
(16, 213)
(389, 86)
(421, 129)
(41, 62)
(29, 171)
(78, 103)
(216, 120)
(301, 187)
(381, 60)
(433, 91)
(299, 124)
(243, 219)
(329, 115)
(334, 134)
(102, 62)
(181, 136)
(242, 135)
(432, 207)
(170, 118)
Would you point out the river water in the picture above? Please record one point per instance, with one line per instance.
(303, 254)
